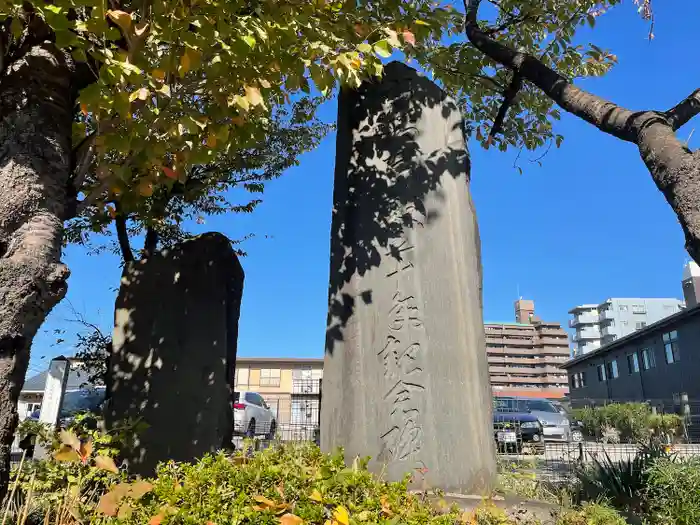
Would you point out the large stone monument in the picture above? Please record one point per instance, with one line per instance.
(174, 351)
(405, 375)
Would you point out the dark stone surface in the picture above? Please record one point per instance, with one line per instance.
(174, 351)
(405, 375)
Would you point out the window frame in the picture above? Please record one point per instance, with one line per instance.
(633, 364)
(671, 347)
(602, 373)
(648, 358)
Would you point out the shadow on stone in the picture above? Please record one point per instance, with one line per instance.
(174, 351)
(405, 373)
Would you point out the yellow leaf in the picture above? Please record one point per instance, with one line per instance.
(253, 95)
(143, 93)
(66, 453)
(264, 83)
(291, 519)
(189, 59)
(156, 520)
(141, 28)
(264, 502)
(70, 439)
(158, 74)
(109, 502)
(340, 514)
(105, 462)
(86, 448)
(363, 516)
(121, 18)
(185, 63)
(146, 189)
(211, 140)
(125, 511)
(316, 496)
(165, 90)
(139, 488)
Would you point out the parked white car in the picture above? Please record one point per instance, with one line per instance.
(251, 416)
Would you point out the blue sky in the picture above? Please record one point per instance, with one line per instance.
(589, 224)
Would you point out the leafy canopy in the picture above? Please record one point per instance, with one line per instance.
(179, 84)
(545, 30)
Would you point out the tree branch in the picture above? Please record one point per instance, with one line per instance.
(606, 116)
(682, 112)
(508, 97)
(151, 242)
(512, 20)
(123, 235)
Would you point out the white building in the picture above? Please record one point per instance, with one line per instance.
(599, 324)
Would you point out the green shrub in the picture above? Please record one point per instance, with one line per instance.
(623, 483)
(591, 514)
(674, 491)
(634, 422)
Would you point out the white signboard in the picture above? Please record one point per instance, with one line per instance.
(56, 381)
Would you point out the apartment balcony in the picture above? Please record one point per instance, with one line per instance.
(586, 318)
(306, 386)
(608, 332)
(556, 341)
(606, 315)
(586, 335)
(541, 371)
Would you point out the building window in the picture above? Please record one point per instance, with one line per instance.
(633, 363)
(270, 377)
(623, 307)
(671, 347)
(578, 380)
(648, 360)
(641, 324)
(623, 322)
(602, 375)
(613, 372)
(241, 377)
(639, 309)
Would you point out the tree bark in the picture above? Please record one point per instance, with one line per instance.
(673, 167)
(36, 104)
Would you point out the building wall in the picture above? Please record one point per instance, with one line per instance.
(290, 386)
(526, 358)
(660, 383)
(615, 318)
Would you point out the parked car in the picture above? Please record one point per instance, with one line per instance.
(76, 402)
(513, 430)
(252, 416)
(575, 425)
(556, 426)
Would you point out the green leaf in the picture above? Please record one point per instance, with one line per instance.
(364, 47)
(383, 49)
(250, 40)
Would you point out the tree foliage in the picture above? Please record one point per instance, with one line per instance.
(542, 29)
(186, 98)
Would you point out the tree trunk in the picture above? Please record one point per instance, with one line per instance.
(36, 104)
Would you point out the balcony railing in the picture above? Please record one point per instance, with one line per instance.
(306, 386)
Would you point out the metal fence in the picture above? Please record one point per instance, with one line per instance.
(559, 459)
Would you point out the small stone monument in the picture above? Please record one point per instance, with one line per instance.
(174, 351)
(405, 375)
(54, 390)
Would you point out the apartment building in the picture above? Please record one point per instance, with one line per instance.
(290, 386)
(599, 324)
(524, 357)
